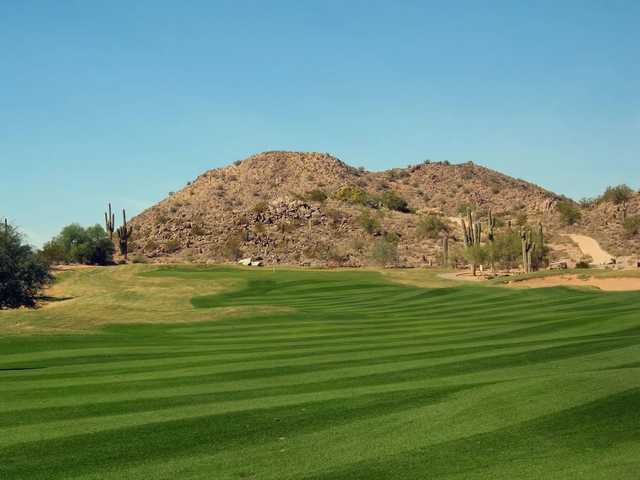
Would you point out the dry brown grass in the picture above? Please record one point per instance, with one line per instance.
(86, 298)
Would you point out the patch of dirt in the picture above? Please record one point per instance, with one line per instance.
(590, 247)
(610, 284)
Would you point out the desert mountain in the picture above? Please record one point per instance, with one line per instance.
(313, 209)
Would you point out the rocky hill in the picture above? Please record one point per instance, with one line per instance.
(313, 209)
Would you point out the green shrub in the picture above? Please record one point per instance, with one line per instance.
(260, 207)
(617, 195)
(393, 201)
(355, 196)
(632, 225)
(172, 246)
(315, 196)
(385, 252)
(232, 248)
(23, 273)
(569, 212)
(431, 226)
(369, 223)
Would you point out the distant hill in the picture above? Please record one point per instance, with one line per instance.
(273, 205)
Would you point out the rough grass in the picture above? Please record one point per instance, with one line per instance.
(319, 375)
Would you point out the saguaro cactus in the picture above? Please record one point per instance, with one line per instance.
(110, 222)
(472, 235)
(491, 225)
(124, 234)
(445, 249)
(528, 246)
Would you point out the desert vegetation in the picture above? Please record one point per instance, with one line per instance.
(23, 273)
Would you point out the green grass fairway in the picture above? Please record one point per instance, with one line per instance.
(314, 375)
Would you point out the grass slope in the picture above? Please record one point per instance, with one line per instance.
(319, 375)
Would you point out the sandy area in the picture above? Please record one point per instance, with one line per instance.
(592, 248)
(610, 284)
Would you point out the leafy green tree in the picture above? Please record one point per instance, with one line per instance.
(569, 212)
(90, 246)
(617, 195)
(476, 255)
(23, 274)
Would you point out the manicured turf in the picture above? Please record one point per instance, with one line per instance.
(345, 376)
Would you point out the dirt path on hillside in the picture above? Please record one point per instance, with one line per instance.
(589, 246)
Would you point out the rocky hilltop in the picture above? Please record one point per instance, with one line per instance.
(313, 209)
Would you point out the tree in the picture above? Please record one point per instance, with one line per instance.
(431, 227)
(632, 225)
(76, 244)
(393, 201)
(23, 274)
(385, 250)
(617, 195)
(569, 212)
(476, 255)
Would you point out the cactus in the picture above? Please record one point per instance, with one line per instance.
(445, 250)
(528, 246)
(472, 235)
(110, 222)
(491, 225)
(124, 234)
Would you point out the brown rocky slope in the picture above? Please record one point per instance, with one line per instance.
(270, 205)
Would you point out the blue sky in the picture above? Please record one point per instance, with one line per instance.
(125, 101)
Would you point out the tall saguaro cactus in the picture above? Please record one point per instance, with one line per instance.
(528, 246)
(445, 250)
(472, 236)
(110, 222)
(491, 225)
(124, 234)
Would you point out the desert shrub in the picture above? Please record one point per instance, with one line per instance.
(393, 201)
(198, 230)
(138, 258)
(368, 222)
(569, 212)
(52, 253)
(23, 273)
(385, 252)
(355, 196)
(151, 245)
(464, 209)
(583, 264)
(326, 252)
(232, 248)
(632, 225)
(587, 202)
(522, 219)
(336, 216)
(172, 246)
(75, 244)
(431, 226)
(477, 254)
(617, 194)
(260, 207)
(316, 196)
(161, 218)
